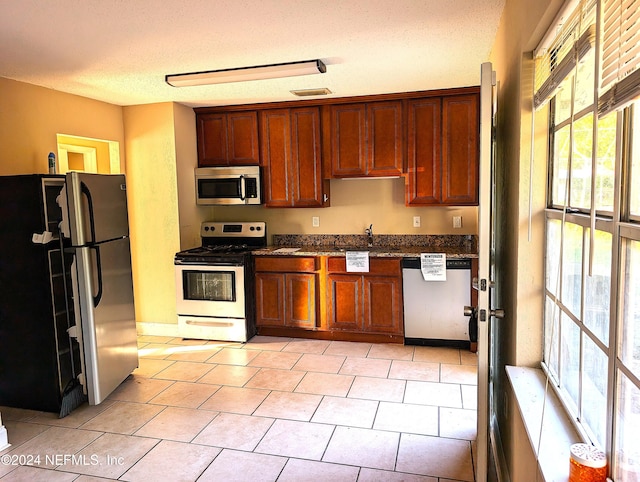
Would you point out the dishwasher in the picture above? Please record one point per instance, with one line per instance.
(434, 310)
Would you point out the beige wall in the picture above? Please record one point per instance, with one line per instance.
(32, 116)
(355, 204)
(153, 207)
(518, 337)
(190, 214)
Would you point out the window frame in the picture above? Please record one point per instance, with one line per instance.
(622, 226)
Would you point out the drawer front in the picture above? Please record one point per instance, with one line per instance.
(377, 266)
(288, 264)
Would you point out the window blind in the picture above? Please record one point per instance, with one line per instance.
(573, 40)
(620, 73)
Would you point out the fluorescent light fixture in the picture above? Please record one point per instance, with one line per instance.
(311, 92)
(243, 74)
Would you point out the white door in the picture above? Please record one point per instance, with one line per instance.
(486, 249)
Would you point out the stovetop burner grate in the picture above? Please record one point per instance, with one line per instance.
(215, 250)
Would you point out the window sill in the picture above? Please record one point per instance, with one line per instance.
(558, 433)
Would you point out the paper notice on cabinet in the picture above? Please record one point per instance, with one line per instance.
(357, 261)
(433, 266)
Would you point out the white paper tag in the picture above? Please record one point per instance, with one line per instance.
(357, 261)
(433, 266)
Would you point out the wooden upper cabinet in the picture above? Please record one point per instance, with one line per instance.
(292, 157)
(460, 150)
(442, 151)
(424, 148)
(348, 140)
(366, 139)
(385, 132)
(227, 139)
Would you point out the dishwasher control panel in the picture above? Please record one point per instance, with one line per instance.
(452, 263)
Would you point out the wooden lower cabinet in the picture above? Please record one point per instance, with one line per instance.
(316, 297)
(383, 305)
(285, 297)
(371, 304)
(300, 300)
(365, 302)
(345, 307)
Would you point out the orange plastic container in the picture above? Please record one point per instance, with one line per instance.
(587, 464)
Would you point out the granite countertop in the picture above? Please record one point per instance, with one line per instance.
(374, 252)
(384, 246)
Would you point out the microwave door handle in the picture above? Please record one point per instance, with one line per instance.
(243, 188)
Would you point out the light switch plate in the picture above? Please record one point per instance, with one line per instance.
(416, 221)
(315, 221)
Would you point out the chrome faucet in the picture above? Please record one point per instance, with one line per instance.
(369, 233)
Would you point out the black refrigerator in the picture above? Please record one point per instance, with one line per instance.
(66, 295)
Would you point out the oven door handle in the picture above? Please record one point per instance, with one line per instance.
(182, 262)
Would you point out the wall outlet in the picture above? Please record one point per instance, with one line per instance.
(416, 221)
(457, 221)
(315, 221)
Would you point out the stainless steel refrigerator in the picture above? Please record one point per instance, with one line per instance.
(66, 291)
(95, 221)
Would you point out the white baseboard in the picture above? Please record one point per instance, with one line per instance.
(157, 329)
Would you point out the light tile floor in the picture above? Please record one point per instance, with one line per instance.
(272, 409)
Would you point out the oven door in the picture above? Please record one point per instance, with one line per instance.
(210, 291)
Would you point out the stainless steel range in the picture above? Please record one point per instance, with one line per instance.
(214, 283)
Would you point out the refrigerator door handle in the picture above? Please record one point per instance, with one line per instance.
(98, 295)
(92, 223)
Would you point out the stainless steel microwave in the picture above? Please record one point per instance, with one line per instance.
(228, 185)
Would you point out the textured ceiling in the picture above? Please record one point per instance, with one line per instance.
(119, 51)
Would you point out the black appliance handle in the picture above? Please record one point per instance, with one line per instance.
(98, 296)
(92, 223)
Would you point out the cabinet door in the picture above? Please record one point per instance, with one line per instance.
(276, 157)
(242, 138)
(348, 140)
(345, 303)
(423, 151)
(301, 300)
(306, 158)
(383, 304)
(212, 139)
(227, 139)
(384, 138)
(270, 301)
(460, 150)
